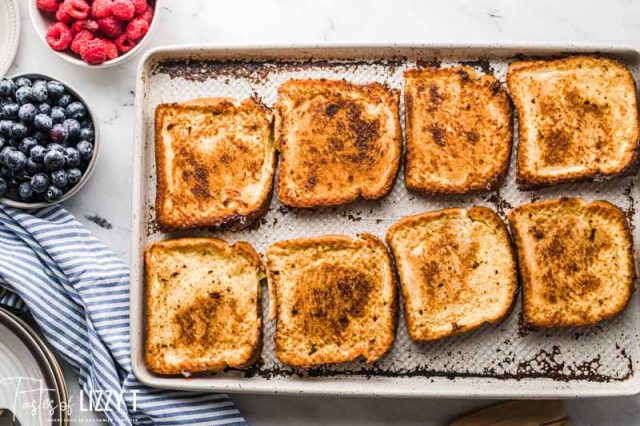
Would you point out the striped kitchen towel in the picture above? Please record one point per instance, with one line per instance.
(78, 292)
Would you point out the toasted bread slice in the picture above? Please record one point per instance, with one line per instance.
(215, 162)
(338, 141)
(457, 270)
(576, 261)
(203, 306)
(334, 299)
(458, 131)
(578, 120)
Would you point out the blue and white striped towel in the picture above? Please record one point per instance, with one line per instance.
(78, 293)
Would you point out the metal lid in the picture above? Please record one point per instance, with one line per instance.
(31, 382)
(9, 33)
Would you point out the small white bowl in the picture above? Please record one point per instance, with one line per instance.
(92, 163)
(41, 22)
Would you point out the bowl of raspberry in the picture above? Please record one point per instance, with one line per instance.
(94, 33)
(49, 141)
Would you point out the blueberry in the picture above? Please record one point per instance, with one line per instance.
(4, 153)
(39, 182)
(53, 194)
(58, 114)
(27, 113)
(87, 133)
(16, 160)
(23, 95)
(41, 137)
(76, 110)
(85, 149)
(14, 142)
(55, 88)
(74, 176)
(55, 147)
(3, 142)
(72, 127)
(7, 87)
(59, 178)
(25, 190)
(27, 144)
(39, 92)
(5, 127)
(44, 108)
(10, 110)
(72, 157)
(37, 153)
(18, 131)
(3, 187)
(53, 160)
(43, 122)
(5, 172)
(58, 133)
(32, 167)
(23, 81)
(64, 100)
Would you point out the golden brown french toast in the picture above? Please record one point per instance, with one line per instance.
(576, 260)
(577, 120)
(215, 161)
(334, 298)
(338, 141)
(457, 270)
(203, 308)
(458, 131)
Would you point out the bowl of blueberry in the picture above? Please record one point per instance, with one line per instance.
(48, 141)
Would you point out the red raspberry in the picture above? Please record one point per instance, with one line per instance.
(137, 28)
(85, 24)
(124, 44)
(47, 5)
(140, 6)
(101, 8)
(80, 40)
(147, 15)
(62, 15)
(123, 9)
(111, 26)
(59, 36)
(94, 52)
(77, 9)
(110, 48)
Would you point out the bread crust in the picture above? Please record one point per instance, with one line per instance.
(158, 364)
(449, 143)
(476, 213)
(345, 348)
(530, 178)
(576, 206)
(222, 217)
(350, 145)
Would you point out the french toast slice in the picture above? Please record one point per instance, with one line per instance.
(203, 305)
(577, 120)
(459, 132)
(576, 260)
(215, 162)
(334, 299)
(457, 270)
(338, 141)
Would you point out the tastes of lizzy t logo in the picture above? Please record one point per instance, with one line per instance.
(31, 397)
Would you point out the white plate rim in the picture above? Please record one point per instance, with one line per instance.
(14, 35)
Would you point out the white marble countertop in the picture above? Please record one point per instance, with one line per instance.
(110, 93)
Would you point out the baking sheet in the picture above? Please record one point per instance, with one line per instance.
(504, 360)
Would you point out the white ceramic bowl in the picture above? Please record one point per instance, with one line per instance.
(92, 163)
(41, 22)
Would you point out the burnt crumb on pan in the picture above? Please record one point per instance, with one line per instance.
(630, 211)
(501, 205)
(483, 64)
(257, 71)
(151, 224)
(100, 221)
(429, 62)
